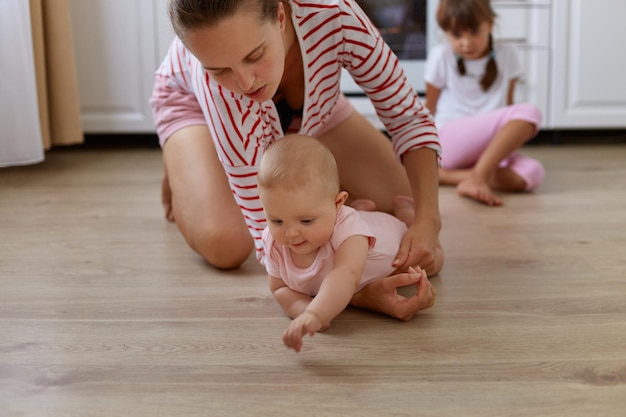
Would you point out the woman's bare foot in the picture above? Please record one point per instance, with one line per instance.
(363, 204)
(477, 189)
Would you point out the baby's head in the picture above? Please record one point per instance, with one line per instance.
(299, 162)
(299, 189)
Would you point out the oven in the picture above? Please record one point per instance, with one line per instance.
(410, 29)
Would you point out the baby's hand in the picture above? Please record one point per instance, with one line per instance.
(305, 323)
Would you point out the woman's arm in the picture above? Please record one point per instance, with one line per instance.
(420, 245)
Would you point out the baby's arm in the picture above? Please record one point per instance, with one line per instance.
(335, 292)
(293, 302)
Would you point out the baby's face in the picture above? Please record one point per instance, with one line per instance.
(303, 219)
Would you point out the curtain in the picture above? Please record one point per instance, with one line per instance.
(39, 101)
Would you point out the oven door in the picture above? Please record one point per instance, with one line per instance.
(409, 28)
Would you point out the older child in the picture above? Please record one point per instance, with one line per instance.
(318, 251)
(470, 84)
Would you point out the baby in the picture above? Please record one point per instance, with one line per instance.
(320, 252)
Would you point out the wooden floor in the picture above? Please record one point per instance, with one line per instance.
(104, 311)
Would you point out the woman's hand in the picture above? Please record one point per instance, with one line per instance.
(382, 295)
(420, 247)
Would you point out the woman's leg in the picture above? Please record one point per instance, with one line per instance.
(367, 164)
(202, 204)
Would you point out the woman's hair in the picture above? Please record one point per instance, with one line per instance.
(187, 15)
(298, 161)
(458, 16)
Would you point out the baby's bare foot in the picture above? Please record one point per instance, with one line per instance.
(403, 209)
(476, 189)
(363, 204)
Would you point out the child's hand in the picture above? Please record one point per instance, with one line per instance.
(306, 322)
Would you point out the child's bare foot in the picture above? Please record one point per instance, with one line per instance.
(452, 176)
(403, 209)
(363, 204)
(477, 189)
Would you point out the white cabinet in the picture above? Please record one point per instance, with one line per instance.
(165, 33)
(526, 24)
(574, 67)
(116, 54)
(588, 64)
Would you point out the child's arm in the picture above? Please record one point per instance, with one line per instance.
(510, 97)
(432, 97)
(335, 292)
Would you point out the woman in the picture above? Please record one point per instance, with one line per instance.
(240, 75)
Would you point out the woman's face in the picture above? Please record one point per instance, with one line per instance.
(243, 54)
(470, 44)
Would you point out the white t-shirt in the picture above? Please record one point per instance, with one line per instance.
(462, 95)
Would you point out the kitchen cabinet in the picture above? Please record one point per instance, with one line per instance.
(526, 24)
(588, 66)
(116, 54)
(570, 49)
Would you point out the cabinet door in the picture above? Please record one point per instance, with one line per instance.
(589, 65)
(527, 25)
(165, 33)
(116, 56)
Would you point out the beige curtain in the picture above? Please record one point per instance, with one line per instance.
(55, 71)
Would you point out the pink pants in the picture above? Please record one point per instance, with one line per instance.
(464, 140)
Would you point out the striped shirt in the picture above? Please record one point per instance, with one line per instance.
(333, 34)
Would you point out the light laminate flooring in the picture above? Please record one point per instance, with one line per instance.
(105, 311)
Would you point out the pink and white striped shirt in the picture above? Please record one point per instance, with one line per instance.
(333, 34)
